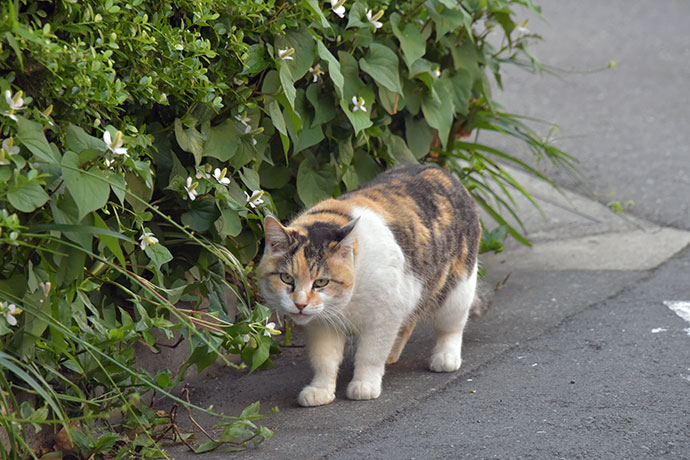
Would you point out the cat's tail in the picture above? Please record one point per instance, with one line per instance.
(483, 299)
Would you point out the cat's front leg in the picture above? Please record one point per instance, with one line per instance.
(325, 354)
(373, 348)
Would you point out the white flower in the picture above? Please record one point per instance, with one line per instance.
(521, 30)
(8, 311)
(246, 338)
(45, 287)
(190, 188)
(220, 176)
(255, 199)
(374, 19)
(436, 72)
(108, 162)
(147, 239)
(286, 54)
(358, 104)
(114, 145)
(15, 102)
(246, 121)
(204, 173)
(316, 72)
(338, 7)
(8, 149)
(271, 329)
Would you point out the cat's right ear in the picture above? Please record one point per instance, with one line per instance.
(277, 238)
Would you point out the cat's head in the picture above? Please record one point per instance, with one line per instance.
(307, 272)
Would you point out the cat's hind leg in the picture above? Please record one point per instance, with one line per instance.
(449, 323)
(403, 336)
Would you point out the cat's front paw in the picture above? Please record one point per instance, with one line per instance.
(313, 396)
(360, 389)
(445, 362)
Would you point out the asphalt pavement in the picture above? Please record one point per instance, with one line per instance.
(586, 351)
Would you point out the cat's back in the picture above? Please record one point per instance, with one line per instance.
(430, 213)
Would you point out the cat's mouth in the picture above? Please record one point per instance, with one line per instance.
(300, 318)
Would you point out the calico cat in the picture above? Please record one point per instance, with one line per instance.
(371, 263)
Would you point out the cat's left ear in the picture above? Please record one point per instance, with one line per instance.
(347, 244)
(277, 238)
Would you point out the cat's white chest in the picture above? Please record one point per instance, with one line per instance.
(384, 288)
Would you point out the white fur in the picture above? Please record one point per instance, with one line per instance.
(384, 295)
(449, 323)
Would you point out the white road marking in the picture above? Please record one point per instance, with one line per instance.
(659, 329)
(680, 308)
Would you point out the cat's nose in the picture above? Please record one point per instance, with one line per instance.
(300, 306)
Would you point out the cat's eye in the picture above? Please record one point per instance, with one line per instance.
(286, 278)
(321, 282)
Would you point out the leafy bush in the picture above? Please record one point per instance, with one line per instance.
(143, 142)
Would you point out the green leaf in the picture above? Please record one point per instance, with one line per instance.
(71, 269)
(315, 182)
(276, 116)
(306, 138)
(391, 102)
(207, 446)
(256, 60)
(382, 64)
(303, 58)
(78, 140)
(89, 189)
(314, 6)
(365, 166)
(467, 58)
(418, 135)
(460, 85)
(15, 285)
(40, 386)
(357, 16)
(230, 221)
(397, 149)
(236, 433)
(190, 140)
(355, 88)
(261, 352)
(323, 103)
(202, 215)
(252, 411)
(66, 212)
(138, 193)
(350, 178)
(109, 241)
(288, 83)
(158, 254)
(26, 195)
(345, 151)
(117, 184)
(439, 113)
(450, 19)
(333, 66)
(411, 40)
(31, 135)
(274, 177)
(222, 141)
(96, 229)
(250, 178)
